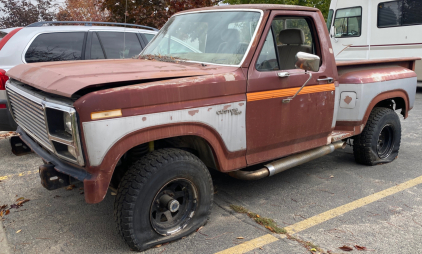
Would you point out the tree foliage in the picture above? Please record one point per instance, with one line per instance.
(87, 10)
(323, 5)
(153, 13)
(25, 12)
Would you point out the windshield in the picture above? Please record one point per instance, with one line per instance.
(218, 37)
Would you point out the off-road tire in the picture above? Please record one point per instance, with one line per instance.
(141, 185)
(365, 144)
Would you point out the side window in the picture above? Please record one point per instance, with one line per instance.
(267, 60)
(149, 37)
(120, 45)
(291, 35)
(55, 47)
(96, 49)
(330, 19)
(399, 13)
(348, 22)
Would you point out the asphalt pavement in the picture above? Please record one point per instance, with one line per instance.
(324, 204)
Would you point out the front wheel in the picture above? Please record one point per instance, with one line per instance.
(379, 141)
(164, 196)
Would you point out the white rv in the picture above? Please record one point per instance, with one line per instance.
(374, 29)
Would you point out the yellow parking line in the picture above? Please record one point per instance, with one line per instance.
(2, 178)
(250, 245)
(320, 218)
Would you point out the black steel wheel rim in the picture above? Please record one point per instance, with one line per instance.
(385, 142)
(178, 194)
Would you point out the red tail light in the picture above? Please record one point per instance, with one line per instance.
(3, 79)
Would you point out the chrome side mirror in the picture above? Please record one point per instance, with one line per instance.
(307, 62)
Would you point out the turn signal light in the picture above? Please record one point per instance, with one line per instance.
(106, 114)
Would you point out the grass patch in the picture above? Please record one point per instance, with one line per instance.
(269, 224)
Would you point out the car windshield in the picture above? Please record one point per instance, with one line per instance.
(217, 37)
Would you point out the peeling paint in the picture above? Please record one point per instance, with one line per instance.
(144, 119)
(348, 99)
(226, 107)
(229, 77)
(193, 112)
(209, 109)
(241, 104)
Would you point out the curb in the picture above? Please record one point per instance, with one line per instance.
(4, 247)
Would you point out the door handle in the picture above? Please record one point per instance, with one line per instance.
(283, 74)
(329, 79)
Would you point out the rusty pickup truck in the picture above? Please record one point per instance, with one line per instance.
(219, 88)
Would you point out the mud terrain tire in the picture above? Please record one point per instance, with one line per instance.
(379, 141)
(155, 186)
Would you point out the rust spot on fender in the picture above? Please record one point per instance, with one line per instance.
(226, 107)
(241, 104)
(144, 118)
(348, 99)
(193, 112)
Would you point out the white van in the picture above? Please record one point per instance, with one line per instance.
(374, 29)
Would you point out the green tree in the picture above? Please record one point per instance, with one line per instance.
(323, 5)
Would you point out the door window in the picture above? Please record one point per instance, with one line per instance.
(287, 37)
(96, 49)
(149, 37)
(348, 22)
(119, 45)
(56, 47)
(267, 60)
(330, 19)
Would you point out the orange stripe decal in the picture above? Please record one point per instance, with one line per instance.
(289, 92)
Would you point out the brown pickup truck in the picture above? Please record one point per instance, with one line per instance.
(218, 88)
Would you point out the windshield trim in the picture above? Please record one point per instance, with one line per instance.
(231, 10)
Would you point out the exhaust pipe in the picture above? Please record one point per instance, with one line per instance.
(281, 165)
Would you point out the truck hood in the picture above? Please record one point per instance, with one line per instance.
(66, 78)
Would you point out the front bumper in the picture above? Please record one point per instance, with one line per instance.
(6, 120)
(59, 165)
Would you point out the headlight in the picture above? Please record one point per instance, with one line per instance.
(67, 119)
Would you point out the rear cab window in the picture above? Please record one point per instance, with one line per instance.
(348, 22)
(63, 46)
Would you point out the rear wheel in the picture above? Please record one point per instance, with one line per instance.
(164, 196)
(379, 141)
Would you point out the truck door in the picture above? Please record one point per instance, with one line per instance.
(276, 129)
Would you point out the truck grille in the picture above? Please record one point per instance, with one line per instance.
(29, 114)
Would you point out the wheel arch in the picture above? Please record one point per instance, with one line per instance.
(193, 135)
(388, 99)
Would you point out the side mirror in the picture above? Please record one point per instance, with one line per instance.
(307, 62)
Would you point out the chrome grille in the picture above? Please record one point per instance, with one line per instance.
(29, 114)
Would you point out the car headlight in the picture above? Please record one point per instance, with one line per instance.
(67, 119)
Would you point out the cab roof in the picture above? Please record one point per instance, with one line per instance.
(263, 7)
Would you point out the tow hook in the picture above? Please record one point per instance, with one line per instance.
(18, 146)
(51, 179)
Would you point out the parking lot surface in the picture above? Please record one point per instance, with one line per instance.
(330, 202)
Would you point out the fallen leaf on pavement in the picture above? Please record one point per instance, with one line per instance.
(7, 212)
(18, 231)
(331, 176)
(345, 248)
(70, 187)
(240, 237)
(20, 199)
(158, 246)
(360, 247)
